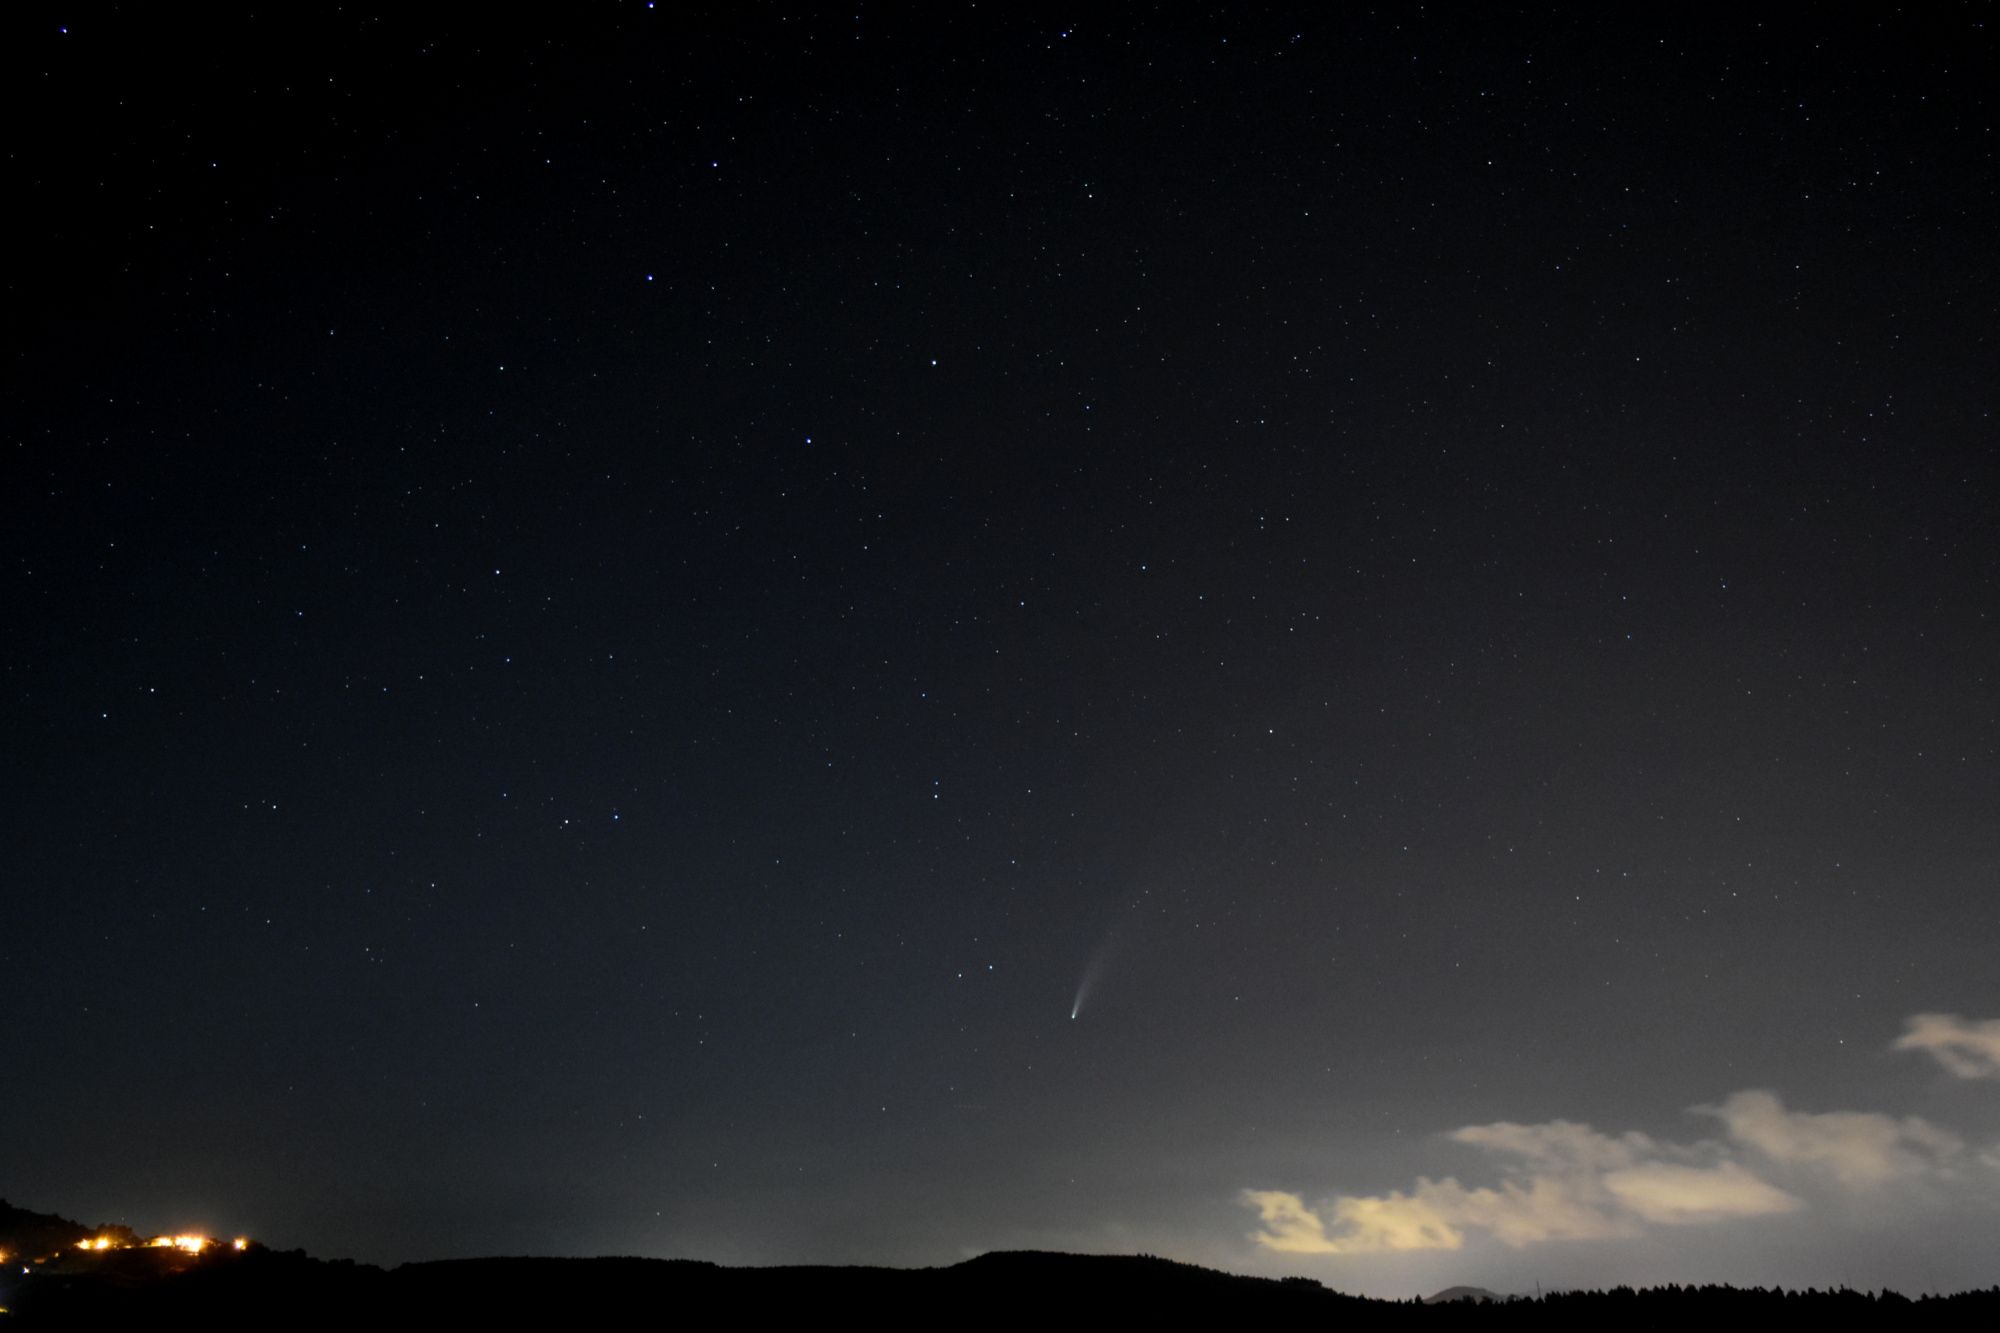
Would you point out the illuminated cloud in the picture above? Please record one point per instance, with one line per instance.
(1677, 1195)
(1289, 1226)
(1859, 1148)
(1557, 1144)
(1419, 1221)
(1395, 1222)
(1560, 1181)
(1967, 1048)
(1538, 1208)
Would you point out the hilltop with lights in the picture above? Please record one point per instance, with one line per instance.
(37, 1240)
(186, 1244)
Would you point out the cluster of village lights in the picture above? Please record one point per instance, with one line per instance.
(189, 1244)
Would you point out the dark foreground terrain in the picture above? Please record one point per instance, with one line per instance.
(269, 1289)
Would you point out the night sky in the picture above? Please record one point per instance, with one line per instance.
(1359, 643)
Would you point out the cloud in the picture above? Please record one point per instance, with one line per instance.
(1967, 1048)
(1394, 1222)
(1559, 1181)
(1292, 1228)
(1859, 1148)
(1558, 1143)
(1677, 1195)
(1538, 1208)
(1562, 1180)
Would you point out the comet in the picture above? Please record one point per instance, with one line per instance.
(1090, 974)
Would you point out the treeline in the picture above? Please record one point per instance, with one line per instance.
(1681, 1307)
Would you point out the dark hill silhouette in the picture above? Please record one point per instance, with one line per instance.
(1024, 1285)
(25, 1234)
(265, 1289)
